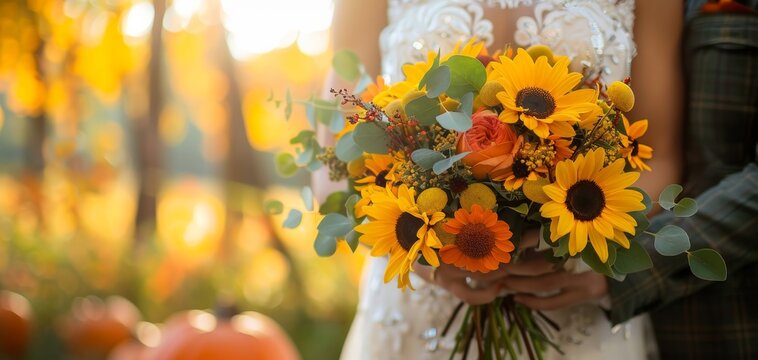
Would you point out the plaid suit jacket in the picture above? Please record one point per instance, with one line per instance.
(696, 319)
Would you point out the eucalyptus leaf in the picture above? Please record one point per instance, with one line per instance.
(335, 225)
(352, 239)
(441, 166)
(707, 264)
(467, 104)
(667, 199)
(590, 257)
(346, 149)
(363, 83)
(337, 122)
(285, 164)
(305, 156)
(350, 205)
(435, 65)
(426, 158)
(424, 109)
(294, 217)
(273, 207)
(303, 137)
(288, 105)
(325, 245)
(642, 222)
(438, 81)
(632, 260)
(371, 138)
(347, 65)
(467, 75)
(334, 203)
(455, 121)
(562, 249)
(671, 240)
(686, 207)
(307, 194)
(310, 114)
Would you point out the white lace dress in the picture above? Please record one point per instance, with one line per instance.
(597, 35)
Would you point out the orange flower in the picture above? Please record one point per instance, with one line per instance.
(492, 144)
(482, 242)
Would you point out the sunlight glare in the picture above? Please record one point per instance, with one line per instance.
(138, 20)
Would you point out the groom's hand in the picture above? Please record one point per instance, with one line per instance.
(539, 286)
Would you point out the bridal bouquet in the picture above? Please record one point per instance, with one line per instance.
(453, 163)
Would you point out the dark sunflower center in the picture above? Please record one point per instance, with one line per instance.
(406, 228)
(475, 241)
(381, 178)
(585, 200)
(635, 147)
(520, 170)
(538, 102)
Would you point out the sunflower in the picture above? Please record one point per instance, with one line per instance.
(540, 95)
(517, 174)
(398, 228)
(635, 152)
(592, 201)
(481, 242)
(379, 177)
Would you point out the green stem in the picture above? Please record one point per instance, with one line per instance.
(504, 329)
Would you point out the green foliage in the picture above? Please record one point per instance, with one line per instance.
(346, 149)
(425, 78)
(467, 104)
(363, 83)
(522, 208)
(352, 239)
(424, 109)
(350, 205)
(685, 207)
(347, 65)
(285, 164)
(426, 158)
(273, 207)
(589, 256)
(441, 166)
(632, 260)
(455, 121)
(288, 105)
(334, 203)
(334, 224)
(467, 75)
(371, 138)
(645, 199)
(307, 194)
(667, 199)
(437, 81)
(707, 264)
(671, 240)
(642, 222)
(325, 245)
(293, 219)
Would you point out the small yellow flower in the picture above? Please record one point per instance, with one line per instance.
(432, 200)
(488, 93)
(478, 194)
(621, 95)
(445, 237)
(533, 190)
(393, 108)
(535, 51)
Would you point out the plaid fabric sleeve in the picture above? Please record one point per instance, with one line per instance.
(726, 222)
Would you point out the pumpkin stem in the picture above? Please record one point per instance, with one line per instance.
(225, 310)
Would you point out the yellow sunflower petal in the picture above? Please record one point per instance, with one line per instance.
(580, 237)
(554, 192)
(599, 244)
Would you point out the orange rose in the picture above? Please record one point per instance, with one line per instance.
(492, 143)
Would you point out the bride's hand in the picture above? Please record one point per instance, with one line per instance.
(533, 275)
(479, 289)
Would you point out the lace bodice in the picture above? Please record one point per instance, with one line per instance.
(595, 34)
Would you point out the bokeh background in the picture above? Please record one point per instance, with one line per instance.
(137, 140)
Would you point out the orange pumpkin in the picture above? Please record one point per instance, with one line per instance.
(95, 327)
(198, 335)
(15, 324)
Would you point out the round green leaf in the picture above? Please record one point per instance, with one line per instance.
(371, 138)
(442, 165)
(346, 149)
(293, 219)
(334, 203)
(685, 207)
(426, 158)
(325, 245)
(467, 75)
(285, 164)
(667, 199)
(307, 194)
(707, 264)
(352, 239)
(467, 104)
(589, 256)
(455, 121)
(273, 207)
(671, 240)
(424, 109)
(350, 205)
(335, 225)
(438, 81)
(632, 260)
(347, 65)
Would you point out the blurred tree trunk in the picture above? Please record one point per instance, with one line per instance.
(148, 139)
